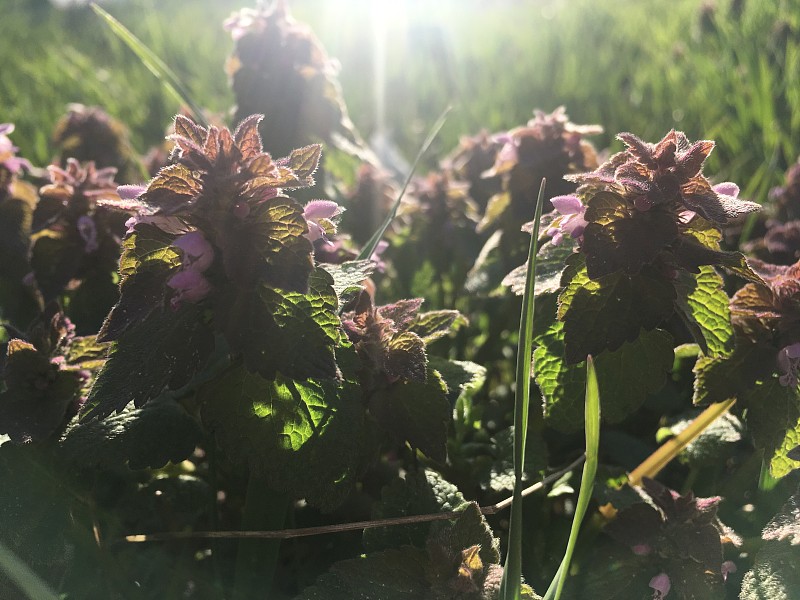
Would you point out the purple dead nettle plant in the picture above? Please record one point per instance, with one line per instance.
(217, 242)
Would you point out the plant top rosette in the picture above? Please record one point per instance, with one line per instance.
(217, 251)
(640, 240)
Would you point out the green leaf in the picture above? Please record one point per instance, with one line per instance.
(142, 438)
(304, 162)
(618, 239)
(165, 350)
(349, 277)
(776, 573)
(550, 262)
(37, 394)
(418, 493)
(626, 375)
(416, 412)
(720, 378)
(405, 357)
(431, 326)
(463, 378)
(773, 419)
(603, 314)
(268, 246)
(304, 326)
(703, 303)
(714, 445)
(305, 437)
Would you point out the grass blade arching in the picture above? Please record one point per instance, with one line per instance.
(370, 246)
(154, 64)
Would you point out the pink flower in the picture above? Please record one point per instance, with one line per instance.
(130, 192)
(572, 222)
(728, 567)
(661, 584)
(7, 150)
(727, 188)
(197, 253)
(788, 365)
(314, 212)
(190, 286)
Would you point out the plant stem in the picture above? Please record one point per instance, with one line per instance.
(256, 560)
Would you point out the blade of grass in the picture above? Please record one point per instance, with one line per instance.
(659, 459)
(23, 577)
(369, 247)
(512, 574)
(154, 64)
(592, 428)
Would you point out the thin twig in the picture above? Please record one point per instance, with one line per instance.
(308, 531)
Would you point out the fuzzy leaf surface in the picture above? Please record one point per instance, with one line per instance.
(776, 573)
(702, 301)
(149, 437)
(773, 418)
(417, 412)
(431, 326)
(618, 239)
(306, 436)
(625, 376)
(282, 331)
(463, 378)
(165, 350)
(419, 493)
(348, 277)
(603, 314)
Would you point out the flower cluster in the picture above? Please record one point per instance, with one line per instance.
(678, 537)
(275, 53)
(215, 229)
(70, 221)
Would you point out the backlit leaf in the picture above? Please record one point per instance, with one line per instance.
(306, 437)
(702, 300)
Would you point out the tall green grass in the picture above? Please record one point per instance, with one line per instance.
(629, 65)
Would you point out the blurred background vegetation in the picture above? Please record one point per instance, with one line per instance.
(726, 69)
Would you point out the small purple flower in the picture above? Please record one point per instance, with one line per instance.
(88, 231)
(789, 365)
(571, 222)
(727, 188)
(728, 567)
(130, 192)
(197, 253)
(380, 266)
(190, 286)
(314, 212)
(661, 586)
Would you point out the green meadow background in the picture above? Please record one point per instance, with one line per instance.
(725, 70)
